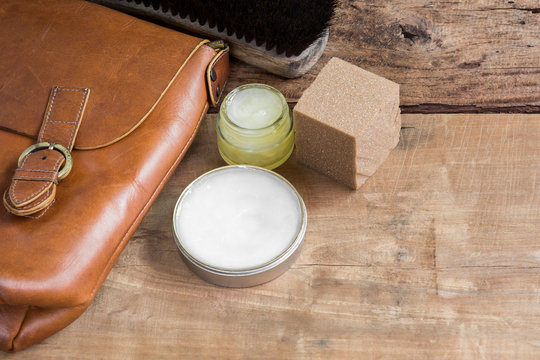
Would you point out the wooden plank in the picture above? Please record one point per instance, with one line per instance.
(436, 256)
(448, 56)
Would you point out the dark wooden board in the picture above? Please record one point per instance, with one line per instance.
(448, 56)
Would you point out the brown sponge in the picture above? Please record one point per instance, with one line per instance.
(347, 122)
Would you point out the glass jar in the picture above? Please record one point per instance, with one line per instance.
(254, 127)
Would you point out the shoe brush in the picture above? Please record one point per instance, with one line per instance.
(284, 37)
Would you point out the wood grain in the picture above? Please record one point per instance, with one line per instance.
(435, 257)
(448, 56)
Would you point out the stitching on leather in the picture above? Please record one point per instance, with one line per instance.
(63, 122)
(38, 170)
(47, 118)
(23, 177)
(83, 100)
(29, 206)
(14, 196)
(15, 182)
(12, 188)
(37, 178)
(42, 132)
(42, 211)
(71, 89)
(41, 136)
(24, 161)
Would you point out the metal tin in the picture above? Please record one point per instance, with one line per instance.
(249, 276)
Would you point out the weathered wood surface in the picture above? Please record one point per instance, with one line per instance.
(448, 56)
(435, 257)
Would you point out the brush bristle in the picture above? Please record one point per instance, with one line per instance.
(288, 26)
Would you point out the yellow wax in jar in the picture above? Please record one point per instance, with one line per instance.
(254, 127)
(255, 108)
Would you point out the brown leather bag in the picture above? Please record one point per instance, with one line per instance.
(128, 97)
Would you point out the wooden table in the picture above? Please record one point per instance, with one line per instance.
(435, 257)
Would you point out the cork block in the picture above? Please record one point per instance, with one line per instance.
(347, 122)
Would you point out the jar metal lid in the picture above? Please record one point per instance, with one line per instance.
(214, 254)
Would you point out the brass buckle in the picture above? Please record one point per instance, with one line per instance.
(66, 169)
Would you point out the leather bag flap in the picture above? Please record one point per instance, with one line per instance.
(127, 64)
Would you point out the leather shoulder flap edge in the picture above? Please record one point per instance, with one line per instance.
(127, 63)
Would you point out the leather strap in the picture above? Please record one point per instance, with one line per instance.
(33, 186)
(217, 71)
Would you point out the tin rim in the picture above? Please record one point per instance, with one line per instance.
(247, 272)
